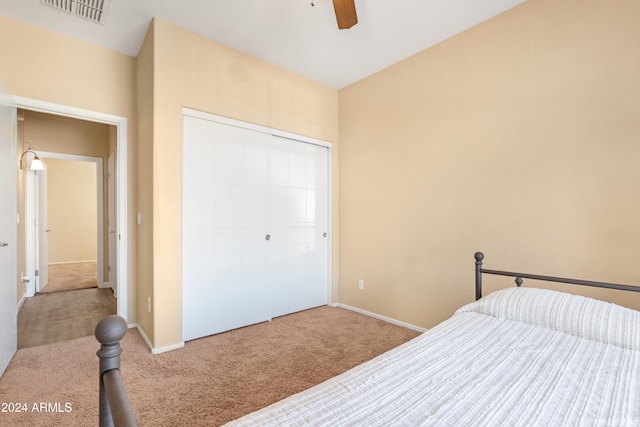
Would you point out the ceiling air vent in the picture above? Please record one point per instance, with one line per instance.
(93, 10)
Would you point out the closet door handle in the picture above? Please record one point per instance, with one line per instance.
(3, 244)
(267, 237)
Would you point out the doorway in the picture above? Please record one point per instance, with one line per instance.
(120, 228)
(64, 228)
(70, 230)
(118, 134)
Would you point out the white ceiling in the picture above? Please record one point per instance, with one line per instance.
(289, 33)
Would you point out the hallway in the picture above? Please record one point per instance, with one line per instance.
(63, 316)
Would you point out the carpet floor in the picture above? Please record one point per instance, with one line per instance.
(210, 381)
(62, 316)
(71, 276)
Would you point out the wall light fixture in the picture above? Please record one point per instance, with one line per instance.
(36, 163)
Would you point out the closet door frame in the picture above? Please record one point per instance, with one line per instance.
(295, 137)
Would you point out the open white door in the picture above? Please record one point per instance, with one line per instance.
(8, 230)
(42, 230)
(111, 218)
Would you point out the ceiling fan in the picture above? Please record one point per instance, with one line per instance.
(345, 13)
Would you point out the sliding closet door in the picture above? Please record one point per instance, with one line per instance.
(225, 277)
(255, 227)
(298, 213)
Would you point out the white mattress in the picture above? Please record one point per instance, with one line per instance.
(520, 356)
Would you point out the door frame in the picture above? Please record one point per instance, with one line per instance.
(111, 222)
(121, 125)
(42, 241)
(33, 247)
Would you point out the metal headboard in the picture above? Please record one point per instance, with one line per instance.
(479, 256)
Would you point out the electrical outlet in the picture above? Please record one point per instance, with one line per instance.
(361, 285)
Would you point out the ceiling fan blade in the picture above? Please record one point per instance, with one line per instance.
(345, 13)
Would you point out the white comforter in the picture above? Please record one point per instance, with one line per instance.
(519, 357)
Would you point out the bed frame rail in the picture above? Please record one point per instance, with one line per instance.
(479, 256)
(115, 409)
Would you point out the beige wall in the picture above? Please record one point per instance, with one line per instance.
(194, 72)
(72, 202)
(518, 137)
(57, 134)
(45, 66)
(144, 177)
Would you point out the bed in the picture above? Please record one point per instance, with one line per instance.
(519, 356)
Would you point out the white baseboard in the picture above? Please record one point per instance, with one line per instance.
(73, 262)
(142, 334)
(21, 303)
(148, 342)
(378, 316)
(106, 285)
(159, 350)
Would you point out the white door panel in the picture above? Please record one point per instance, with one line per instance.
(255, 218)
(298, 217)
(8, 230)
(224, 268)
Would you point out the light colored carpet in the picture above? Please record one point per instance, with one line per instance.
(71, 276)
(208, 382)
(63, 316)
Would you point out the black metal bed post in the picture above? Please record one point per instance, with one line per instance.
(479, 256)
(109, 332)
